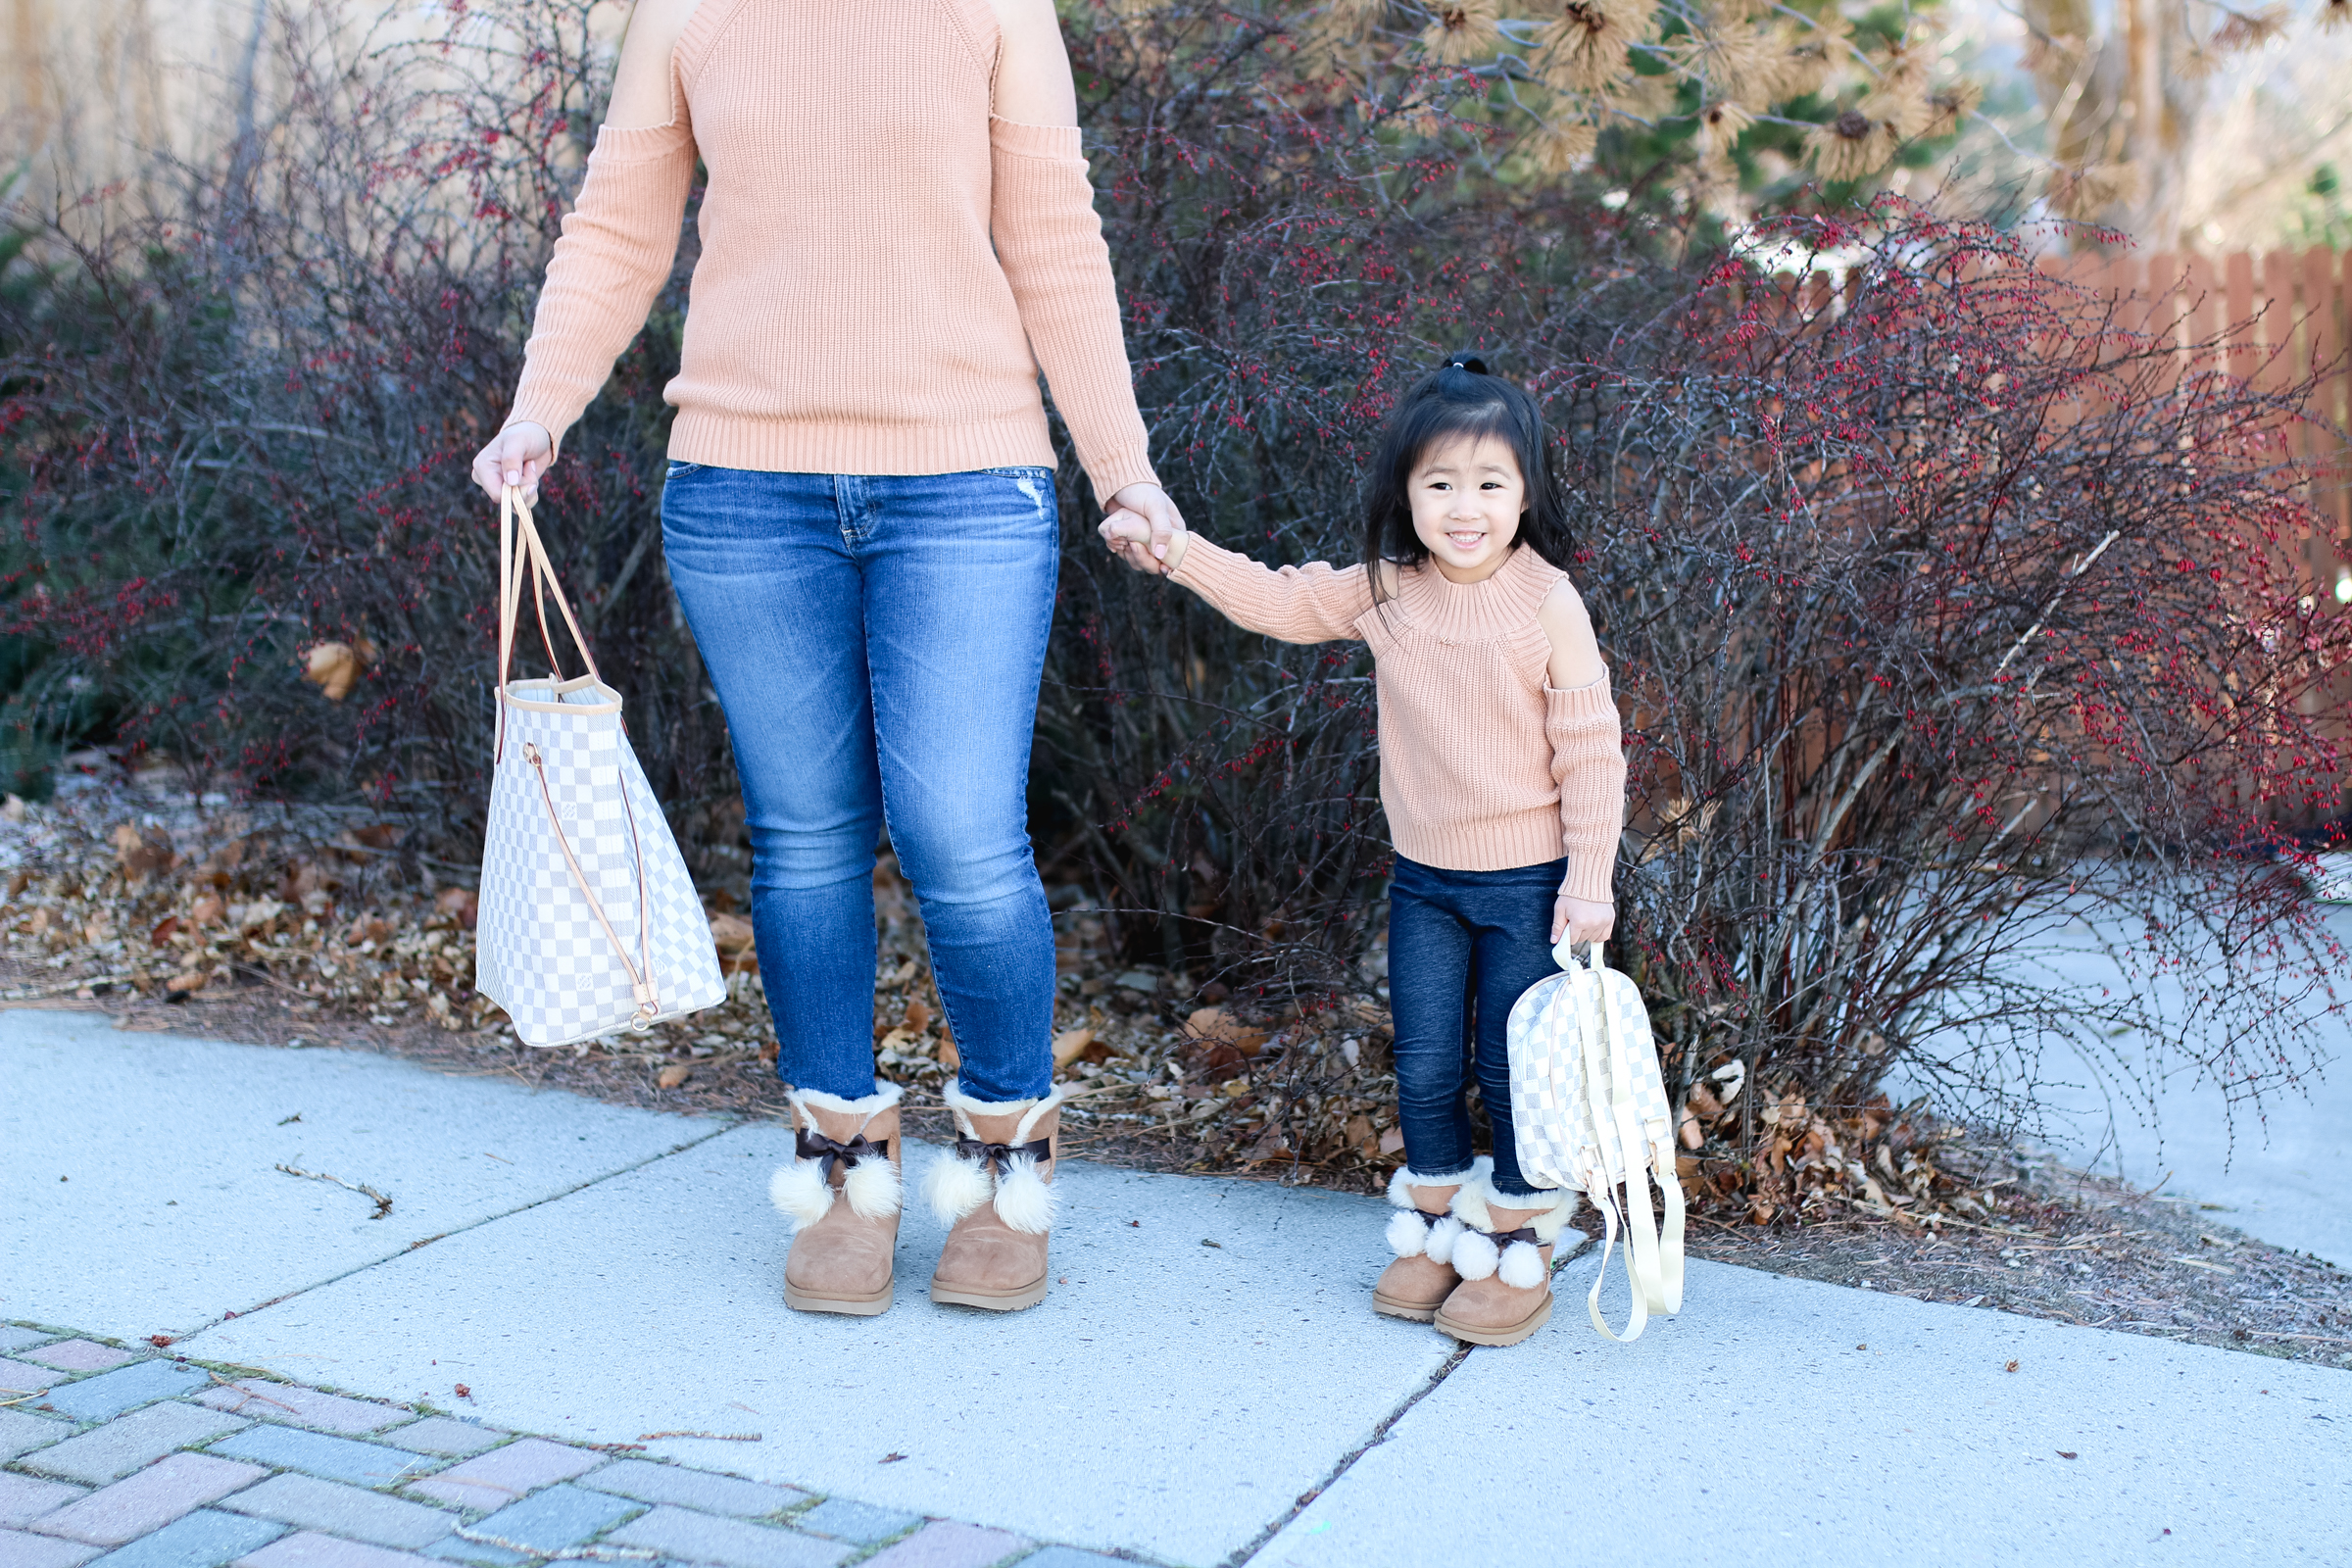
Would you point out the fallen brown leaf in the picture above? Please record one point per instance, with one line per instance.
(161, 936)
(1216, 1025)
(335, 667)
(676, 1073)
(461, 905)
(141, 853)
(1069, 1043)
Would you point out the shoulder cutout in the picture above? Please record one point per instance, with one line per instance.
(1575, 652)
(1032, 85)
(641, 91)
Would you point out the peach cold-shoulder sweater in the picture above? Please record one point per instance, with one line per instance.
(1482, 764)
(885, 264)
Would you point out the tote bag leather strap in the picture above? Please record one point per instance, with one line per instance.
(521, 558)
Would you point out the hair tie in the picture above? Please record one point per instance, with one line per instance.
(1467, 361)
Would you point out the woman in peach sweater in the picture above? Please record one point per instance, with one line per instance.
(898, 233)
(1503, 779)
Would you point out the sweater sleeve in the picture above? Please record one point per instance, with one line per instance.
(1588, 762)
(1050, 243)
(1310, 604)
(618, 242)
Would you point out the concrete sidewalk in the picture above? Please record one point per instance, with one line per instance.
(1205, 1362)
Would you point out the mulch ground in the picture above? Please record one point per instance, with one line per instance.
(2051, 1242)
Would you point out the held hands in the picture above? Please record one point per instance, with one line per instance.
(516, 456)
(1143, 528)
(1582, 919)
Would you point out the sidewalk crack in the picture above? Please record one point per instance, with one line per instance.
(1380, 1435)
(487, 1219)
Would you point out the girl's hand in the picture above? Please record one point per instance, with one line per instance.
(1582, 919)
(1130, 537)
(1164, 524)
(516, 456)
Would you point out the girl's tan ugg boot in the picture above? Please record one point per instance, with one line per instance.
(1422, 1233)
(841, 1192)
(1504, 1258)
(995, 1188)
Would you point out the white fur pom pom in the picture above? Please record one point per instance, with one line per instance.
(1023, 1200)
(1474, 1255)
(1442, 1237)
(1522, 1266)
(1406, 1233)
(801, 1191)
(872, 1188)
(955, 1187)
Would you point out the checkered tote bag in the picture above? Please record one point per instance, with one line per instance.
(588, 921)
(1589, 1110)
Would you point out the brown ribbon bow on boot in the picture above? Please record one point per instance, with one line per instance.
(810, 1144)
(999, 1157)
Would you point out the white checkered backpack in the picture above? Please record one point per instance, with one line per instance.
(588, 921)
(1589, 1105)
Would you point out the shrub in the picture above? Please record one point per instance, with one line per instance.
(1949, 617)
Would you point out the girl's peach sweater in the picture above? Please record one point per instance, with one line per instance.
(1483, 765)
(885, 264)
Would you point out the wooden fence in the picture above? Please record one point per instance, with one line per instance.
(2281, 317)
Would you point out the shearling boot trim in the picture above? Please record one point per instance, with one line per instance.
(801, 1188)
(966, 1107)
(1406, 1176)
(1556, 1208)
(955, 1185)
(869, 1106)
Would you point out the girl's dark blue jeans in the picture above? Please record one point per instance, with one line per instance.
(1463, 945)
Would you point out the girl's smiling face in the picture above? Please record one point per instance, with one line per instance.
(1468, 496)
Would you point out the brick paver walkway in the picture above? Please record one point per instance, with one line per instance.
(120, 1459)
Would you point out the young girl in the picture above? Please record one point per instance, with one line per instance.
(1502, 770)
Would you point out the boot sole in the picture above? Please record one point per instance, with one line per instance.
(873, 1305)
(1511, 1336)
(1410, 1311)
(989, 1301)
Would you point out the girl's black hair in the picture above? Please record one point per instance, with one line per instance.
(1459, 398)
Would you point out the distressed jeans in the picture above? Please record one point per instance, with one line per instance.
(876, 643)
(1463, 947)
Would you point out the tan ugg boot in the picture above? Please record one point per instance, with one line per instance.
(1421, 1233)
(841, 1192)
(1504, 1258)
(995, 1188)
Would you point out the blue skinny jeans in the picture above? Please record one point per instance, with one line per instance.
(876, 643)
(1463, 947)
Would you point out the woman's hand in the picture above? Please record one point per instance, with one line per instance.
(1150, 504)
(516, 456)
(1144, 528)
(1582, 919)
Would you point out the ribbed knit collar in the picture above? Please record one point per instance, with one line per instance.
(1476, 611)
